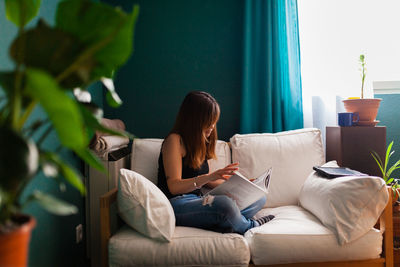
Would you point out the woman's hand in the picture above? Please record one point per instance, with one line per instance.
(224, 173)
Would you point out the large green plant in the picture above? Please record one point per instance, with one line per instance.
(88, 43)
(387, 171)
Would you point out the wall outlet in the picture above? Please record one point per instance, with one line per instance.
(79, 233)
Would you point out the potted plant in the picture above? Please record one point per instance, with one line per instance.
(50, 62)
(387, 171)
(367, 108)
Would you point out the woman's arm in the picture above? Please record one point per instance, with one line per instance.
(172, 152)
(215, 183)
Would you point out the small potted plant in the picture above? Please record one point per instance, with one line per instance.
(367, 108)
(50, 63)
(387, 171)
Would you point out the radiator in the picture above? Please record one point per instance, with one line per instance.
(98, 183)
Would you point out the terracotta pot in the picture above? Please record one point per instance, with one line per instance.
(14, 245)
(367, 108)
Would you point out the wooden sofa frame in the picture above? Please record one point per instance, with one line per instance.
(385, 224)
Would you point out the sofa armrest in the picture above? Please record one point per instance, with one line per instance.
(386, 227)
(106, 201)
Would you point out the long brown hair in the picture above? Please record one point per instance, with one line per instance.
(198, 111)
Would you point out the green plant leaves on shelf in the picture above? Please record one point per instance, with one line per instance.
(62, 110)
(19, 159)
(107, 32)
(52, 204)
(52, 50)
(386, 173)
(20, 12)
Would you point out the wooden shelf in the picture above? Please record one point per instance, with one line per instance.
(352, 146)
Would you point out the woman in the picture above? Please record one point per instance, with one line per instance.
(183, 170)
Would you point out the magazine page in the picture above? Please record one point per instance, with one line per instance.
(240, 189)
(263, 180)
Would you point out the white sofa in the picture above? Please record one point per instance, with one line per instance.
(309, 228)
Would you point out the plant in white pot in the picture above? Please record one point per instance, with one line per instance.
(88, 43)
(367, 108)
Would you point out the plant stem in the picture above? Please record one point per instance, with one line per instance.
(27, 113)
(28, 132)
(16, 102)
(44, 135)
(362, 61)
(362, 82)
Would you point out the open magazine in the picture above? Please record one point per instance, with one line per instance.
(244, 191)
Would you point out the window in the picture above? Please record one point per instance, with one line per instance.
(333, 34)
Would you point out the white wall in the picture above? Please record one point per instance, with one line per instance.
(333, 33)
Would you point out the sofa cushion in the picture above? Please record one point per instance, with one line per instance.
(291, 155)
(295, 235)
(145, 153)
(144, 207)
(223, 153)
(348, 206)
(144, 157)
(188, 247)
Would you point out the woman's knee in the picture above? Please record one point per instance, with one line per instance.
(261, 202)
(225, 205)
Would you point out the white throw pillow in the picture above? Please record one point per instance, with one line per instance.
(291, 154)
(349, 206)
(144, 207)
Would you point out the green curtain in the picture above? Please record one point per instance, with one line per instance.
(271, 93)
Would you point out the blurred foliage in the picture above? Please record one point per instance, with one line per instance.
(89, 42)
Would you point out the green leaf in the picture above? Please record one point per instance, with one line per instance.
(4, 198)
(18, 159)
(90, 159)
(52, 204)
(61, 109)
(378, 160)
(69, 173)
(7, 81)
(112, 97)
(93, 122)
(389, 148)
(105, 30)
(394, 167)
(53, 50)
(20, 12)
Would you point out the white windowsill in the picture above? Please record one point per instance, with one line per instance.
(386, 87)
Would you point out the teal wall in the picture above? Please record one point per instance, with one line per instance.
(53, 239)
(389, 115)
(181, 46)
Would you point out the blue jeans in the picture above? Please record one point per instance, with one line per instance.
(221, 215)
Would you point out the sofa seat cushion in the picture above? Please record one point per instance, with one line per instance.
(188, 247)
(295, 235)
